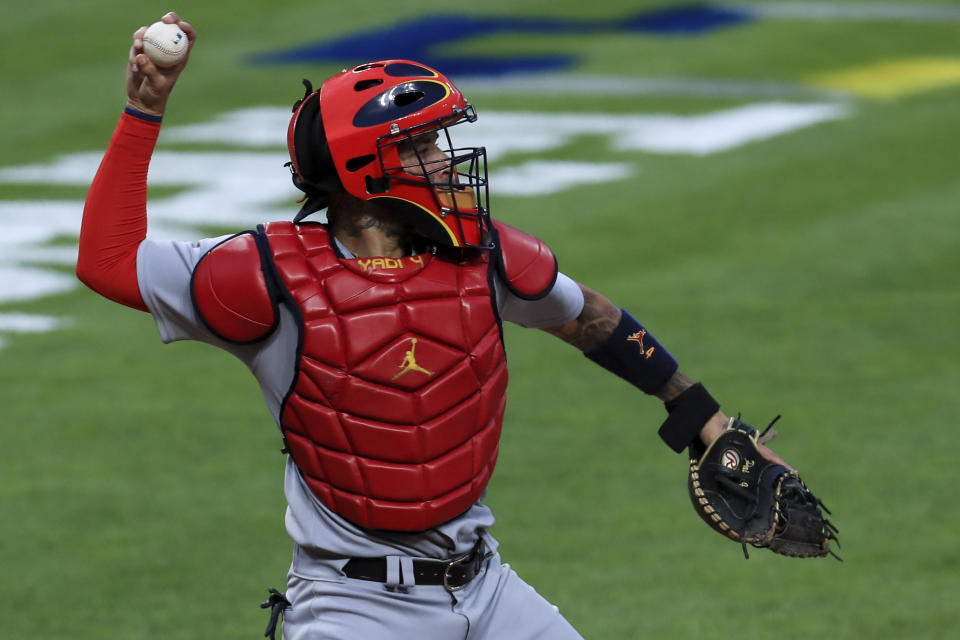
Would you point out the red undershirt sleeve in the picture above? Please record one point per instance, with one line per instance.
(115, 213)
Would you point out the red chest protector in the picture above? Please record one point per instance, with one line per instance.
(395, 412)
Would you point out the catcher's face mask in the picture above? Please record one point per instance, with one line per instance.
(387, 126)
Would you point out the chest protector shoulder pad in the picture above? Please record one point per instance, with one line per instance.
(230, 291)
(394, 416)
(525, 263)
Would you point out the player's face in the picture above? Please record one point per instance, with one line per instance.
(420, 156)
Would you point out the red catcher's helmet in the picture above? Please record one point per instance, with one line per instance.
(345, 137)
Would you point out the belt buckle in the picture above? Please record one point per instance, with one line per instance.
(476, 555)
(446, 576)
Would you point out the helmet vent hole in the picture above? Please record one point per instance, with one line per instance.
(407, 70)
(408, 98)
(367, 67)
(355, 164)
(363, 85)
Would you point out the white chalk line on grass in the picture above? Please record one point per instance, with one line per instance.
(241, 188)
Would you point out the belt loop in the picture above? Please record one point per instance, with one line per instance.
(406, 571)
(393, 573)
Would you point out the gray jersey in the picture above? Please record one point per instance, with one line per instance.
(164, 269)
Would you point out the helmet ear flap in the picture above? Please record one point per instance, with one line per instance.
(311, 162)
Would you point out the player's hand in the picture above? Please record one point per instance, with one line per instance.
(149, 86)
(715, 426)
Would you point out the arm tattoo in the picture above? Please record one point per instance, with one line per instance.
(677, 384)
(594, 324)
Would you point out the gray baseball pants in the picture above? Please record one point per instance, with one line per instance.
(495, 605)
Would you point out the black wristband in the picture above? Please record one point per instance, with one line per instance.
(689, 411)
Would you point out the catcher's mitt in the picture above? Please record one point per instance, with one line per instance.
(752, 500)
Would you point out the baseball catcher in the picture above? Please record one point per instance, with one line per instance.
(373, 324)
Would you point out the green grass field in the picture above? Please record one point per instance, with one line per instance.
(814, 274)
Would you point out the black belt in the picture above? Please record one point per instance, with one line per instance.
(452, 574)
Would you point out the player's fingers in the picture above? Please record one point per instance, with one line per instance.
(136, 46)
(188, 29)
(138, 37)
(770, 455)
(146, 66)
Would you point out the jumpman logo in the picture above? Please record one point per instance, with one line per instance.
(410, 362)
(638, 338)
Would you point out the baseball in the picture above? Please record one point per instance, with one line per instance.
(165, 44)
